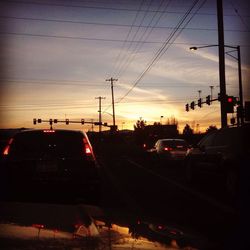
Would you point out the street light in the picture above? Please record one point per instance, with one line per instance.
(238, 58)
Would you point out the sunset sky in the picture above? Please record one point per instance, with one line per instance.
(57, 55)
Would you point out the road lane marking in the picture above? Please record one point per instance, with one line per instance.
(188, 190)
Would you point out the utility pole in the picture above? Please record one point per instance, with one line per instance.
(111, 80)
(240, 87)
(100, 112)
(222, 64)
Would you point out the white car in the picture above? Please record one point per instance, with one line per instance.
(171, 149)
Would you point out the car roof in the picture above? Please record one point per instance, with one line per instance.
(171, 140)
(56, 130)
(59, 132)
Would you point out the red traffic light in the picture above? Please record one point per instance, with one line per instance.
(230, 102)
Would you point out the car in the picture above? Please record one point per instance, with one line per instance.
(170, 149)
(40, 163)
(218, 159)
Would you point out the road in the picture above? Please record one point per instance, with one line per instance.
(142, 193)
(152, 192)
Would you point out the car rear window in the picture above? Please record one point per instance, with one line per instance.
(38, 144)
(175, 143)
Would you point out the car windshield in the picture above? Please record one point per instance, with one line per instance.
(143, 81)
(36, 144)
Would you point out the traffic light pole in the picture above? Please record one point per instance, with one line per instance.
(100, 112)
(222, 64)
(240, 87)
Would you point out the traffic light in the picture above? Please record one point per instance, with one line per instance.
(67, 121)
(208, 100)
(230, 102)
(187, 107)
(55, 120)
(199, 102)
(82, 121)
(50, 121)
(192, 105)
(34, 121)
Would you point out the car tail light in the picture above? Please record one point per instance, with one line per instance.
(38, 226)
(168, 148)
(87, 147)
(7, 148)
(49, 131)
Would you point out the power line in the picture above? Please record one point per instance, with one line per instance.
(113, 24)
(240, 16)
(159, 53)
(141, 41)
(103, 8)
(128, 34)
(53, 82)
(101, 39)
(135, 34)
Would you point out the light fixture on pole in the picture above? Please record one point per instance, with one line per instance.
(238, 58)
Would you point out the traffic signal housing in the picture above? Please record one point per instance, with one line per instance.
(199, 102)
(187, 107)
(230, 103)
(192, 105)
(208, 100)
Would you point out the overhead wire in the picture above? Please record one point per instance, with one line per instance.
(162, 50)
(134, 51)
(134, 36)
(240, 16)
(112, 24)
(98, 7)
(127, 37)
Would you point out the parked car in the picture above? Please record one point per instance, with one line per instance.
(218, 158)
(170, 149)
(38, 163)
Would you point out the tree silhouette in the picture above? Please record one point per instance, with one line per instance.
(187, 130)
(140, 124)
(211, 128)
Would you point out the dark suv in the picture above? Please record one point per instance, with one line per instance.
(50, 163)
(219, 157)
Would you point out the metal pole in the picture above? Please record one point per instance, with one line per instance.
(211, 88)
(100, 112)
(240, 87)
(113, 102)
(222, 64)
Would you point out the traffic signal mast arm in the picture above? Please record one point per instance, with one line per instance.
(230, 102)
(67, 121)
(200, 102)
